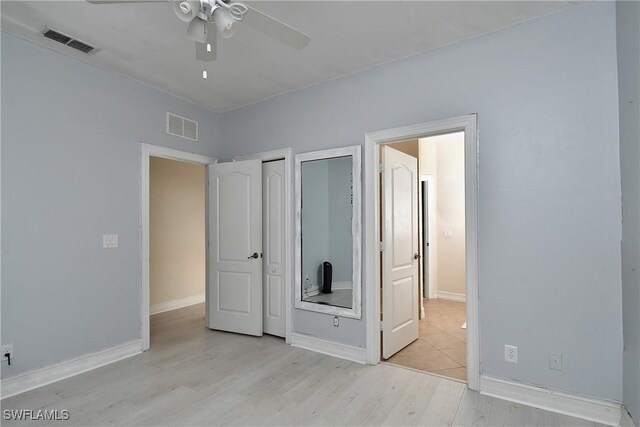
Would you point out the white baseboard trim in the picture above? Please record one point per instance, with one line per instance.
(625, 419)
(319, 345)
(600, 411)
(451, 296)
(175, 304)
(341, 285)
(50, 374)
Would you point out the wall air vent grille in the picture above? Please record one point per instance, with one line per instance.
(83, 47)
(56, 36)
(67, 40)
(182, 127)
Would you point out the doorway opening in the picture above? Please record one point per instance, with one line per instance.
(271, 240)
(422, 282)
(176, 240)
(148, 154)
(440, 347)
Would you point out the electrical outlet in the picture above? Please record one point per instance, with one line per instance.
(336, 321)
(7, 348)
(511, 353)
(555, 361)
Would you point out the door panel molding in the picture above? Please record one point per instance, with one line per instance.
(234, 277)
(400, 270)
(273, 220)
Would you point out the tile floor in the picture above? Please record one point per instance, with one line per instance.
(442, 345)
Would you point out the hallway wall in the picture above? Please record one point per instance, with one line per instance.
(176, 230)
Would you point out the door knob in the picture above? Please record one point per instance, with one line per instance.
(254, 256)
(416, 256)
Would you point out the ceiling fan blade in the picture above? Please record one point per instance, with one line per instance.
(125, 1)
(278, 30)
(208, 51)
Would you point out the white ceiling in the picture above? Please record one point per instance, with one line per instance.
(148, 42)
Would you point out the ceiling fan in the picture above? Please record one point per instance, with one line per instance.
(206, 16)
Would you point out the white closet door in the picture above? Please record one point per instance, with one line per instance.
(400, 251)
(234, 288)
(273, 239)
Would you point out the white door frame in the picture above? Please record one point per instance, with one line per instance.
(431, 203)
(287, 155)
(372, 233)
(146, 151)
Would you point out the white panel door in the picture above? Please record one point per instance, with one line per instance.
(234, 289)
(400, 251)
(273, 239)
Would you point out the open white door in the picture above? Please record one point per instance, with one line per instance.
(274, 240)
(234, 220)
(399, 251)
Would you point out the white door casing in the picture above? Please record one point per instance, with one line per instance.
(400, 289)
(234, 279)
(273, 239)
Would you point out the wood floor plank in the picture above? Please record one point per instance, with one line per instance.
(413, 402)
(196, 376)
(443, 405)
(473, 410)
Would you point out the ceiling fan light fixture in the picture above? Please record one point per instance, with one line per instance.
(186, 10)
(197, 30)
(225, 22)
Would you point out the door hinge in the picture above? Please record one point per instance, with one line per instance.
(380, 167)
(380, 247)
(381, 325)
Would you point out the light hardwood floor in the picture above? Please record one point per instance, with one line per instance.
(194, 376)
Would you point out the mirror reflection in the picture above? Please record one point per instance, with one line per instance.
(326, 224)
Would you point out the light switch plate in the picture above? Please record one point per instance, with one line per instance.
(109, 241)
(448, 232)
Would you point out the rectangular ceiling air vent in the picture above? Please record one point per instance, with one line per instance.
(182, 127)
(67, 40)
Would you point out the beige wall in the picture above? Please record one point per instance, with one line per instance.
(410, 147)
(442, 157)
(177, 233)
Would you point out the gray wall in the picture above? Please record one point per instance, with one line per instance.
(70, 172)
(628, 20)
(549, 200)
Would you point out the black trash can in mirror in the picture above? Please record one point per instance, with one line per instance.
(327, 270)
